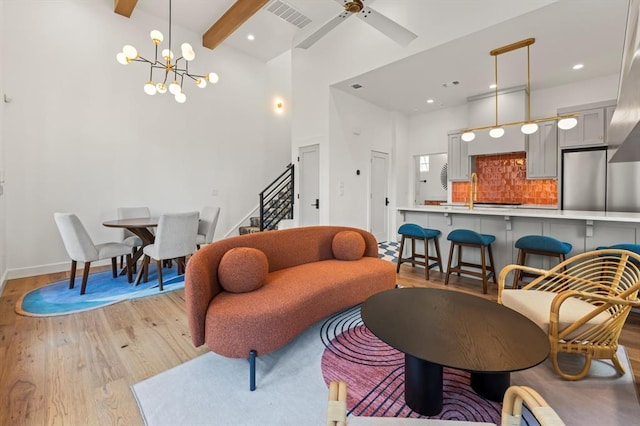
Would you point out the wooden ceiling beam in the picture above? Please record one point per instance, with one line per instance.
(124, 7)
(232, 19)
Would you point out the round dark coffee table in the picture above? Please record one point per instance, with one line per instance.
(443, 328)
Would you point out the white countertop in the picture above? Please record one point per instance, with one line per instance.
(528, 212)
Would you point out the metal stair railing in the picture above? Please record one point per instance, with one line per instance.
(276, 200)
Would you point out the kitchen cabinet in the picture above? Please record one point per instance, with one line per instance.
(542, 151)
(593, 121)
(459, 161)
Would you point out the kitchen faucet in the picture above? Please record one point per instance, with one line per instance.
(473, 190)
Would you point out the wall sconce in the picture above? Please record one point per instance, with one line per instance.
(279, 106)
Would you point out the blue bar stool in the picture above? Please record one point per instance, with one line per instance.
(468, 238)
(416, 232)
(540, 245)
(624, 246)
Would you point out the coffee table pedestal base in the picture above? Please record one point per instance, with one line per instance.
(491, 385)
(423, 382)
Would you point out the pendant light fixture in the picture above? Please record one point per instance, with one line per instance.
(529, 126)
(175, 72)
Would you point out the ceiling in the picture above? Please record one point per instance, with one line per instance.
(566, 32)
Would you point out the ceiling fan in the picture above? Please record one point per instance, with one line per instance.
(390, 28)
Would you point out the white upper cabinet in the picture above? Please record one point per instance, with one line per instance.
(512, 106)
(542, 151)
(593, 120)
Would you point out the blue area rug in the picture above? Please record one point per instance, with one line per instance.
(388, 250)
(102, 290)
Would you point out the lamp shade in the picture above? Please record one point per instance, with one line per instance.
(187, 52)
(567, 123)
(496, 132)
(468, 136)
(529, 128)
(174, 88)
(161, 88)
(181, 98)
(201, 83)
(130, 51)
(156, 36)
(213, 77)
(122, 58)
(150, 88)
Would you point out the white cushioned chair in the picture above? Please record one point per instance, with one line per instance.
(81, 248)
(582, 303)
(175, 239)
(513, 400)
(207, 225)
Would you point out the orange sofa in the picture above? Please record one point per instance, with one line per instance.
(250, 295)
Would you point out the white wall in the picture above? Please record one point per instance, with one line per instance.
(3, 245)
(80, 134)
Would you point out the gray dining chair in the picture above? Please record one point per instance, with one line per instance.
(128, 237)
(207, 226)
(81, 248)
(175, 239)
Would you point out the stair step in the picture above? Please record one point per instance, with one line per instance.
(248, 230)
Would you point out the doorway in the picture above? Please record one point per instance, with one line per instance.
(309, 187)
(379, 197)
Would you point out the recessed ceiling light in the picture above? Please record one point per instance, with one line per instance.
(356, 86)
(578, 66)
(430, 101)
(492, 86)
(251, 37)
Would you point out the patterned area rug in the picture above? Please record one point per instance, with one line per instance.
(102, 290)
(388, 251)
(374, 373)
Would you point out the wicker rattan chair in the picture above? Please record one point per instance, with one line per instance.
(582, 302)
(514, 398)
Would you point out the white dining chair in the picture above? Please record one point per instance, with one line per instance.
(207, 226)
(128, 237)
(81, 248)
(175, 239)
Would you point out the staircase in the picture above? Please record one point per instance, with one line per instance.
(276, 204)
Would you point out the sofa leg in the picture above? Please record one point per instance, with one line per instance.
(252, 370)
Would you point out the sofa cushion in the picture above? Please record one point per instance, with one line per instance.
(348, 245)
(243, 269)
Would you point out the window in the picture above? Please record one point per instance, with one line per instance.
(424, 163)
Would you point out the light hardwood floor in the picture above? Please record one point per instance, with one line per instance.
(77, 369)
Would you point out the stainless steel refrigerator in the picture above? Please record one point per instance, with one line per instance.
(590, 183)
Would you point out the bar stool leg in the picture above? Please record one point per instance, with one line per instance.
(484, 270)
(459, 258)
(492, 267)
(437, 244)
(400, 254)
(426, 259)
(413, 252)
(446, 277)
(516, 275)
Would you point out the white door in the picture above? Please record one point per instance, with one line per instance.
(309, 186)
(379, 212)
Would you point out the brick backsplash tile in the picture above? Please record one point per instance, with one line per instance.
(502, 178)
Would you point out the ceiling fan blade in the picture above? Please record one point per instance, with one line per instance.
(391, 29)
(322, 31)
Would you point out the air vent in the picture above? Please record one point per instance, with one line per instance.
(288, 13)
(356, 86)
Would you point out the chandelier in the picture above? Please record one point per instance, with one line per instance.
(166, 67)
(529, 126)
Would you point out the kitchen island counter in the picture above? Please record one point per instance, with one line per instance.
(584, 230)
(533, 212)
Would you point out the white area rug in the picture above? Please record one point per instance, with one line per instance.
(214, 390)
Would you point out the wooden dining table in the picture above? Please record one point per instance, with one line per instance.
(138, 226)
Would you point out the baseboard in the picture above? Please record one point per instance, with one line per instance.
(46, 269)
